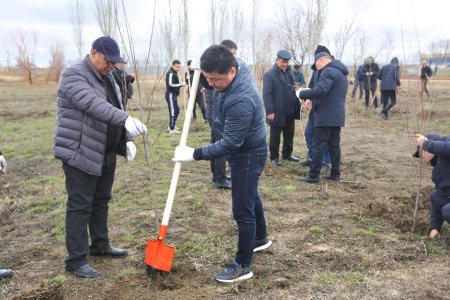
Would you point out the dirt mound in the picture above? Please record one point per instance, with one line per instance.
(400, 210)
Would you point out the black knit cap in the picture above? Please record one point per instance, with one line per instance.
(319, 49)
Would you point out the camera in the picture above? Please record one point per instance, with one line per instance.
(417, 153)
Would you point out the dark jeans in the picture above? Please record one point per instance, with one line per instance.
(309, 137)
(375, 98)
(388, 99)
(288, 139)
(423, 87)
(248, 210)
(218, 165)
(440, 209)
(323, 136)
(87, 207)
(174, 110)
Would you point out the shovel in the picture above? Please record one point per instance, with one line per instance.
(158, 255)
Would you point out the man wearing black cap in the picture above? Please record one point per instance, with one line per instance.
(328, 96)
(282, 107)
(91, 128)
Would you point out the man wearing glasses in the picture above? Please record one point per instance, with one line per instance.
(91, 128)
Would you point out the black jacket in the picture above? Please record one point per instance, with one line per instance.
(424, 71)
(390, 76)
(278, 94)
(370, 82)
(125, 83)
(440, 147)
(173, 82)
(189, 83)
(328, 95)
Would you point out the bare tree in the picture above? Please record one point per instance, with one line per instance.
(300, 29)
(185, 30)
(106, 13)
(26, 48)
(236, 22)
(439, 52)
(264, 54)
(77, 19)
(218, 17)
(343, 36)
(359, 48)
(169, 28)
(57, 61)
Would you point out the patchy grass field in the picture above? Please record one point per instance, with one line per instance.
(344, 240)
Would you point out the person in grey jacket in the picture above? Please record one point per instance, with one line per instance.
(239, 118)
(91, 128)
(390, 80)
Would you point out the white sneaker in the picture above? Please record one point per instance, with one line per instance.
(176, 128)
(174, 131)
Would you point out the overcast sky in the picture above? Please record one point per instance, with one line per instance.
(49, 21)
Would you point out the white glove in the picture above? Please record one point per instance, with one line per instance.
(183, 153)
(297, 92)
(188, 75)
(135, 127)
(195, 64)
(131, 150)
(2, 164)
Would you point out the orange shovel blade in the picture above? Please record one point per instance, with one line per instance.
(159, 256)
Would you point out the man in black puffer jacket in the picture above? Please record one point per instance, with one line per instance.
(239, 120)
(328, 96)
(390, 80)
(436, 150)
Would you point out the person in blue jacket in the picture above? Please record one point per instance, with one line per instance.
(390, 80)
(435, 149)
(328, 96)
(239, 120)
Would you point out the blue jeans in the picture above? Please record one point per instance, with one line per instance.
(440, 209)
(309, 134)
(248, 210)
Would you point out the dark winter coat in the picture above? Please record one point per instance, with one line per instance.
(125, 83)
(390, 76)
(328, 95)
(83, 116)
(370, 82)
(277, 92)
(440, 147)
(425, 71)
(189, 83)
(238, 118)
(173, 82)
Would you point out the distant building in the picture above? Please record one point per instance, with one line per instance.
(437, 60)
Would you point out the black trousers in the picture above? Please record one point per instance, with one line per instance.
(218, 165)
(288, 139)
(87, 207)
(323, 136)
(388, 99)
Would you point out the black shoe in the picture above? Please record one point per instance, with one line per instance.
(5, 273)
(292, 158)
(383, 115)
(234, 272)
(305, 163)
(85, 271)
(309, 179)
(332, 177)
(111, 251)
(262, 244)
(223, 185)
(276, 162)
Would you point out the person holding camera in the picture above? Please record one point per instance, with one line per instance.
(4, 273)
(435, 149)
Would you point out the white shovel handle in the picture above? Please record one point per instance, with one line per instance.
(183, 139)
